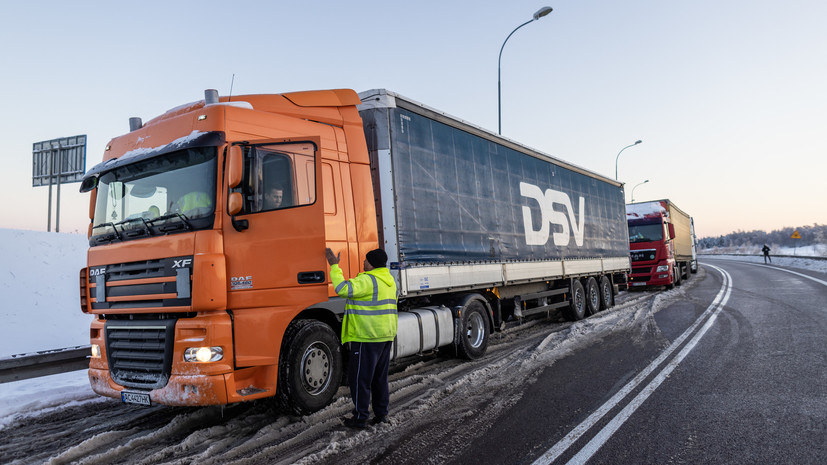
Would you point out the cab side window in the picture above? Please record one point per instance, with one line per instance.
(280, 176)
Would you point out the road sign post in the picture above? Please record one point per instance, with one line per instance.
(58, 160)
(795, 236)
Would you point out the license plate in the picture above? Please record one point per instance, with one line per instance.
(638, 284)
(137, 398)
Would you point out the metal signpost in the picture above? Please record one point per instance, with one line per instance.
(58, 160)
(795, 235)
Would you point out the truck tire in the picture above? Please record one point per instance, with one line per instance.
(592, 297)
(577, 307)
(310, 367)
(607, 294)
(472, 330)
(678, 274)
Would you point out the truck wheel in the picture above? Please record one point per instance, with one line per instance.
(472, 331)
(607, 295)
(592, 296)
(310, 367)
(678, 274)
(577, 309)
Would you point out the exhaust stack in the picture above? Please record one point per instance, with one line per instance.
(211, 96)
(135, 123)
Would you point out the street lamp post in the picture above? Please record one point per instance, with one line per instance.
(633, 189)
(621, 151)
(539, 14)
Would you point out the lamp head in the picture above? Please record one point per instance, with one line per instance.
(638, 142)
(542, 12)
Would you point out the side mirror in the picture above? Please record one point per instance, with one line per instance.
(235, 166)
(671, 231)
(88, 184)
(235, 203)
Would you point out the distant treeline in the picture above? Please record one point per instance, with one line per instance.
(815, 234)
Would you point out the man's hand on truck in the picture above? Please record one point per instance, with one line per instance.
(332, 259)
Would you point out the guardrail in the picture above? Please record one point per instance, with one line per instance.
(50, 362)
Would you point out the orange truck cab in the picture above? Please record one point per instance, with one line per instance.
(206, 269)
(168, 258)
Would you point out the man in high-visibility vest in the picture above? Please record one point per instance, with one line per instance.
(369, 326)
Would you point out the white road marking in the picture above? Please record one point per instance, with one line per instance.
(788, 271)
(552, 454)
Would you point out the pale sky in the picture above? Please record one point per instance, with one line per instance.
(727, 95)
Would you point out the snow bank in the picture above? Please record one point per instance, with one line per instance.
(803, 263)
(39, 295)
(812, 250)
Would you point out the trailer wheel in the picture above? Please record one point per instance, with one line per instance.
(472, 330)
(592, 296)
(606, 293)
(577, 309)
(310, 367)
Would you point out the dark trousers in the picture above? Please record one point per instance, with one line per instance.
(368, 376)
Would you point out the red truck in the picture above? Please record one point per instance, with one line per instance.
(661, 244)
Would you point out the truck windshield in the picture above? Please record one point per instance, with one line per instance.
(645, 233)
(171, 193)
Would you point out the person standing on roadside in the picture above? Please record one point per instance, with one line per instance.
(368, 327)
(766, 251)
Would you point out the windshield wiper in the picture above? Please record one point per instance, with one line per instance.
(145, 224)
(184, 219)
(108, 238)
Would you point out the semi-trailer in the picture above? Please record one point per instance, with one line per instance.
(206, 268)
(661, 243)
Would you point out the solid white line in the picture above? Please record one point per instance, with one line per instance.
(575, 434)
(600, 438)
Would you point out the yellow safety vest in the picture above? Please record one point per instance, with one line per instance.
(194, 200)
(370, 309)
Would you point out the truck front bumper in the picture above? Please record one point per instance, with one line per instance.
(181, 390)
(654, 279)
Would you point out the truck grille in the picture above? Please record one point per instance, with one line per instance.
(641, 270)
(140, 352)
(166, 283)
(642, 255)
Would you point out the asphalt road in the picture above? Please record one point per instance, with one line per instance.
(730, 367)
(747, 385)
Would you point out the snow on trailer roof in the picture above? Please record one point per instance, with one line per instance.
(646, 210)
(383, 98)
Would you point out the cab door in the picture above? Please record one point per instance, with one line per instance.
(275, 245)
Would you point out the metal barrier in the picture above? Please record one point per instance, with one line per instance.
(50, 362)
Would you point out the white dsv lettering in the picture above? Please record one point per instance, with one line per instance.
(551, 216)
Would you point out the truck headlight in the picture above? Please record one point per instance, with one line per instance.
(203, 354)
(96, 351)
(662, 268)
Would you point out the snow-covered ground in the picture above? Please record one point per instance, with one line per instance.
(813, 250)
(785, 262)
(40, 310)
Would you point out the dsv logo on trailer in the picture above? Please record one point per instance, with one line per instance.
(549, 215)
